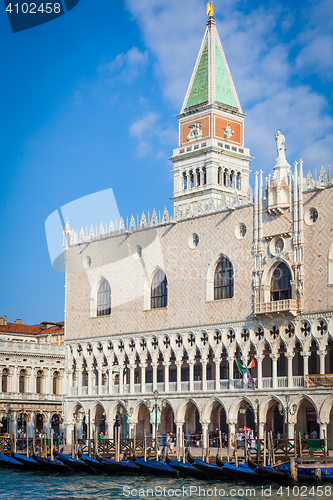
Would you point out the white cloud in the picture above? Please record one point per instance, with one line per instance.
(149, 134)
(265, 67)
(126, 65)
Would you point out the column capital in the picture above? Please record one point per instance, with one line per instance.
(289, 355)
(322, 354)
(143, 365)
(259, 357)
(305, 354)
(274, 356)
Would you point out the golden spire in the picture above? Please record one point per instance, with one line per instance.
(210, 9)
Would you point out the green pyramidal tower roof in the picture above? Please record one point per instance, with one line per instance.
(211, 79)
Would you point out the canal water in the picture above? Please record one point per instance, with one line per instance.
(40, 486)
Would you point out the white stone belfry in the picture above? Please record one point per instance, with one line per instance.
(211, 164)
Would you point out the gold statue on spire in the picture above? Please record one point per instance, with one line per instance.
(210, 9)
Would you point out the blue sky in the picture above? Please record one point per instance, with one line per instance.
(88, 103)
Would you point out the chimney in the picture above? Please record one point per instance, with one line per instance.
(1, 321)
(5, 321)
(18, 321)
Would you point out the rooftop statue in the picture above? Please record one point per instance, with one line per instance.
(210, 9)
(280, 140)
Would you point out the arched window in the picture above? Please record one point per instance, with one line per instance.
(191, 179)
(238, 181)
(39, 382)
(198, 176)
(104, 299)
(280, 285)
(5, 380)
(22, 381)
(184, 180)
(223, 280)
(219, 175)
(159, 290)
(55, 388)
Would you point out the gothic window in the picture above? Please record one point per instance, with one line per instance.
(238, 181)
(104, 299)
(22, 381)
(204, 175)
(232, 179)
(5, 380)
(55, 388)
(159, 290)
(219, 176)
(224, 280)
(184, 180)
(225, 178)
(39, 382)
(280, 285)
(191, 179)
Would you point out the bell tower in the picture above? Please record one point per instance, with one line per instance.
(211, 164)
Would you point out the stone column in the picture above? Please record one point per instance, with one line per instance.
(305, 356)
(121, 379)
(79, 424)
(15, 381)
(100, 372)
(143, 377)
(322, 428)
(166, 376)
(204, 375)
(48, 388)
(90, 370)
(290, 356)
(204, 426)
(261, 428)
(78, 381)
(31, 424)
(179, 375)
(217, 362)
(68, 432)
(322, 355)
(191, 374)
(154, 366)
(13, 423)
(48, 425)
(179, 432)
(132, 372)
(274, 357)
(231, 371)
(260, 359)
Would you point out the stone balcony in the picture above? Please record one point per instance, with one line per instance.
(211, 386)
(283, 307)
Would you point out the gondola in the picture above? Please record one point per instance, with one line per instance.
(122, 468)
(155, 468)
(240, 473)
(186, 469)
(27, 462)
(52, 466)
(11, 463)
(100, 467)
(270, 474)
(74, 464)
(210, 470)
(308, 475)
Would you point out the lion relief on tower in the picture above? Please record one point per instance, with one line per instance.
(195, 132)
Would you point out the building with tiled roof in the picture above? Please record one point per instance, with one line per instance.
(32, 362)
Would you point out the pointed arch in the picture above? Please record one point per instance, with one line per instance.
(100, 297)
(266, 280)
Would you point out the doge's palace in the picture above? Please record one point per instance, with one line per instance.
(171, 302)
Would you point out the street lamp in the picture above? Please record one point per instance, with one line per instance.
(288, 411)
(125, 412)
(155, 407)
